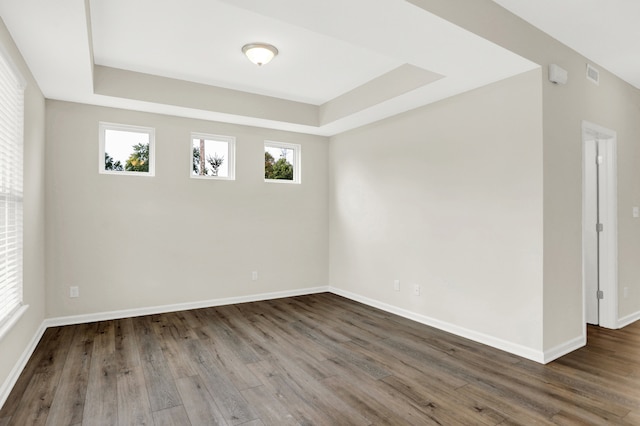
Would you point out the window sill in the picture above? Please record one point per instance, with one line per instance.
(286, 181)
(12, 320)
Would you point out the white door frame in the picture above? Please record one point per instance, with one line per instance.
(608, 211)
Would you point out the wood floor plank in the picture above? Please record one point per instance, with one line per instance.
(34, 406)
(300, 312)
(234, 407)
(13, 400)
(101, 400)
(68, 404)
(174, 416)
(277, 330)
(324, 401)
(105, 337)
(440, 387)
(133, 400)
(434, 410)
(125, 345)
(301, 405)
(580, 418)
(230, 339)
(268, 407)
(230, 355)
(633, 418)
(176, 325)
(365, 363)
(514, 412)
(274, 344)
(313, 360)
(198, 402)
(175, 355)
(401, 362)
(602, 398)
(256, 422)
(379, 405)
(159, 381)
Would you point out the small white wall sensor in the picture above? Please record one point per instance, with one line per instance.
(557, 75)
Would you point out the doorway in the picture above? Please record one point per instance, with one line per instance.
(599, 226)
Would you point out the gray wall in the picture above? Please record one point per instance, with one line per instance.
(132, 242)
(448, 196)
(613, 104)
(14, 344)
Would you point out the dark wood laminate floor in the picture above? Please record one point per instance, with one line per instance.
(313, 360)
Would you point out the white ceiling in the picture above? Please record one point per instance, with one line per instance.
(605, 31)
(336, 58)
(202, 44)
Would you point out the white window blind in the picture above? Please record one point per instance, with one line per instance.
(11, 164)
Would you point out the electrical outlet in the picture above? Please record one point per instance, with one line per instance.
(396, 285)
(626, 292)
(254, 276)
(74, 291)
(416, 289)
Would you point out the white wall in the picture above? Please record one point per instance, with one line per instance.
(448, 196)
(136, 242)
(14, 344)
(613, 104)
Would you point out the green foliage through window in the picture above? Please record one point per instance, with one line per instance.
(111, 164)
(277, 169)
(138, 161)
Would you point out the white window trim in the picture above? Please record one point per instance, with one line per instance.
(12, 320)
(7, 322)
(103, 126)
(231, 165)
(297, 162)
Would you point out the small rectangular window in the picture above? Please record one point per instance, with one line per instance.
(212, 156)
(127, 150)
(282, 162)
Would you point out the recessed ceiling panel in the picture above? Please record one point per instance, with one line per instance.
(201, 41)
(338, 67)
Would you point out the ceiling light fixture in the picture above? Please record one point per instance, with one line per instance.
(259, 53)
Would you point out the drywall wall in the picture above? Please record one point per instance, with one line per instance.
(449, 197)
(613, 104)
(19, 338)
(132, 242)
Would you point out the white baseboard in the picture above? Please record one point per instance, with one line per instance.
(523, 351)
(9, 383)
(629, 319)
(136, 312)
(564, 348)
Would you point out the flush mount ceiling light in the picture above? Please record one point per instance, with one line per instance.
(259, 53)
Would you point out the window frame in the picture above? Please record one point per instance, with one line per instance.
(297, 160)
(103, 126)
(14, 148)
(231, 145)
